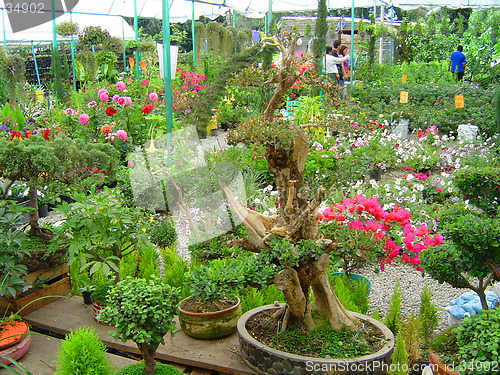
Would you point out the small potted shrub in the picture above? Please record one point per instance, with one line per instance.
(142, 311)
(99, 298)
(211, 312)
(81, 352)
(443, 351)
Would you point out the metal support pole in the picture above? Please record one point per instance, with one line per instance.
(166, 66)
(392, 39)
(265, 24)
(72, 56)
(352, 45)
(123, 39)
(136, 30)
(269, 15)
(234, 18)
(54, 44)
(381, 39)
(3, 25)
(193, 35)
(36, 65)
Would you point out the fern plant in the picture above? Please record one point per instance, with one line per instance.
(82, 353)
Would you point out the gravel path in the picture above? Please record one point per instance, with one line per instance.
(412, 283)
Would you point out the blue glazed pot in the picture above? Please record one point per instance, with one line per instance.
(358, 279)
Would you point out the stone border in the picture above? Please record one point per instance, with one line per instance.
(265, 360)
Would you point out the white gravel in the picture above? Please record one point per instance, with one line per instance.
(412, 283)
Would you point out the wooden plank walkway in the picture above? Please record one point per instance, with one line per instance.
(222, 355)
(42, 354)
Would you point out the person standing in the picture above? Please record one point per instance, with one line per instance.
(345, 64)
(332, 63)
(457, 63)
(340, 77)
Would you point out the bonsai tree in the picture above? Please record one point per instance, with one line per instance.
(142, 311)
(472, 235)
(40, 158)
(290, 251)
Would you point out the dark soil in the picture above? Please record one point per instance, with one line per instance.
(321, 343)
(196, 306)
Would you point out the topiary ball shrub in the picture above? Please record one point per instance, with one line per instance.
(82, 353)
(137, 369)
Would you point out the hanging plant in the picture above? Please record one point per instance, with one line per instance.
(13, 69)
(308, 29)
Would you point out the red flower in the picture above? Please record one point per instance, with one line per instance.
(110, 111)
(147, 108)
(46, 134)
(27, 134)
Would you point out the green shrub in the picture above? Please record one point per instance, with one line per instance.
(427, 315)
(174, 271)
(252, 297)
(162, 232)
(445, 344)
(481, 187)
(142, 311)
(100, 294)
(137, 369)
(479, 341)
(82, 353)
(392, 319)
(412, 339)
(351, 294)
(399, 358)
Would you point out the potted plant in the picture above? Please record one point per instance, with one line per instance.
(289, 250)
(443, 351)
(211, 312)
(15, 339)
(86, 289)
(99, 299)
(142, 311)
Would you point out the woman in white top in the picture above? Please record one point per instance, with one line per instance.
(331, 62)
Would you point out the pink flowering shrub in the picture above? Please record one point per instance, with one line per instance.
(185, 91)
(363, 231)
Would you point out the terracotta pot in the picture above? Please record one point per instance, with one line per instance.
(209, 325)
(438, 365)
(16, 349)
(265, 360)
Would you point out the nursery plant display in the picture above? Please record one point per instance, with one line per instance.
(142, 311)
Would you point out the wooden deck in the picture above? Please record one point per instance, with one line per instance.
(199, 357)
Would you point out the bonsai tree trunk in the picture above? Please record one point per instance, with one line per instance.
(297, 219)
(148, 355)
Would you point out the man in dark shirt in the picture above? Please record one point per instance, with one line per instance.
(340, 76)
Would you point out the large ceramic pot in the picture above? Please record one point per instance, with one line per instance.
(357, 278)
(209, 325)
(16, 347)
(438, 367)
(265, 360)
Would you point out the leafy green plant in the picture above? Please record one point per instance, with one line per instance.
(11, 248)
(252, 298)
(106, 58)
(67, 28)
(162, 232)
(13, 69)
(393, 318)
(446, 345)
(351, 294)
(137, 369)
(100, 293)
(478, 339)
(481, 186)
(399, 363)
(174, 271)
(102, 232)
(82, 353)
(142, 311)
(427, 315)
(93, 36)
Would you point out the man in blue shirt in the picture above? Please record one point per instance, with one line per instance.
(457, 63)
